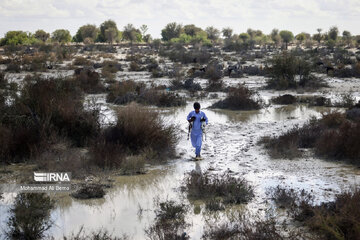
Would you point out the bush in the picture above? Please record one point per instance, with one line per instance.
(81, 61)
(99, 234)
(240, 98)
(231, 190)
(109, 69)
(89, 191)
(185, 57)
(30, 216)
(135, 67)
(89, 81)
(128, 91)
(333, 136)
(242, 226)
(333, 220)
(44, 109)
(286, 68)
(284, 99)
(137, 130)
(119, 91)
(35, 62)
(169, 222)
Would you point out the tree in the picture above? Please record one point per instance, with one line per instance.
(147, 38)
(86, 32)
(244, 37)
(227, 32)
(61, 36)
(41, 35)
(111, 34)
(300, 37)
(17, 38)
(287, 37)
(275, 37)
(191, 30)
(333, 33)
(318, 37)
(171, 30)
(109, 24)
(131, 34)
(212, 33)
(347, 37)
(144, 28)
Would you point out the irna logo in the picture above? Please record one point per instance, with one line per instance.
(52, 177)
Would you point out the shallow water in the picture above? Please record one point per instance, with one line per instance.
(230, 144)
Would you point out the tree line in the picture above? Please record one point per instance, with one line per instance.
(108, 32)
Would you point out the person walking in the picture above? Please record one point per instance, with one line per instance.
(198, 119)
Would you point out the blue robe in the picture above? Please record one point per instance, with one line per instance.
(196, 131)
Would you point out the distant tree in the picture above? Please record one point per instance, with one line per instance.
(227, 32)
(147, 38)
(17, 38)
(171, 30)
(244, 37)
(346, 37)
(301, 37)
(131, 34)
(333, 33)
(357, 39)
(111, 35)
(275, 37)
(144, 28)
(88, 32)
(41, 35)
(212, 33)
(191, 30)
(109, 24)
(287, 37)
(318, 36)
(61, 36)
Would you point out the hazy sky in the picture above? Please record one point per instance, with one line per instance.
(294, 15)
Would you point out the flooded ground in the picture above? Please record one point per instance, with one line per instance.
(230, 146)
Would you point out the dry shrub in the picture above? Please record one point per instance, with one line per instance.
(35, 62)
(61, 157)
(43, 109)
(137, 129)
(332, 136)
(99, 234)
(243, 226)
(333, 220)
(231, 190)
(14, 66)
(89, 81)
(135, 67)
(161, 98)
(119, 90)
(81, 61)
(284, 99)
(340, 143)
(169, 222)
(128, 91)
(30, 216)
(109, 69)
(239, 98)
(338, 219)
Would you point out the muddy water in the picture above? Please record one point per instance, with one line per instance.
(230, 145)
